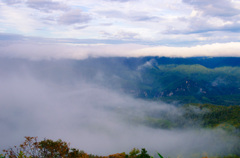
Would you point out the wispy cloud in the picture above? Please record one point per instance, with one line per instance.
(210, 16)
(152, 21)
(40, 48)
(221, 8)
(122, 35)
(10, 2)
(120, 0)
(134, 16)
(74, 17)
(46, 5)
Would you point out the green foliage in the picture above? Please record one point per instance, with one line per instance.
(159, 123)
(186, 84)
(60, 149)
(232, 156)
(31, 148)
(48, 148)
(21, 155)
(160, 155)
(76, 153)
(143, 154)
(197, 116)
(2, 156)
(227, 117)
(51, 149)
(134, 152)
(185, 80)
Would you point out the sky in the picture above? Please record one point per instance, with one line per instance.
(79, 29)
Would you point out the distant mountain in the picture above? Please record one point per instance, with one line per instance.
(214, 80)
(179, 80)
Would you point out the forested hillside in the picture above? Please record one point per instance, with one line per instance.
(173, 80)
(175, 106)
(191, 84)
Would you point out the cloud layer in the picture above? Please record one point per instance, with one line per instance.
(163, 22)
(36, 48)
(91, 117)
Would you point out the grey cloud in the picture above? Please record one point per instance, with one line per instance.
(10, 2)
(74, 17)
(106, 24)
(198, 25)
(121, 0)
(81, 27)
(113, 14)
(231, 27)
(221, 8)
(145, 18)
(123, 35)
(46, 5)
(133, 16)
(11, 37)
(234, 28)
(126, 35)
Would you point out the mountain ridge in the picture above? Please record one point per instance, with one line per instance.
(214, 80)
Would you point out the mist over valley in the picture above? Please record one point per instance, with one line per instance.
(120, 78)
(111, 105)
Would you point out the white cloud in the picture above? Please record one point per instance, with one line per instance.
(17, 19)
(42, 50)
(152, 20)
(214, 50)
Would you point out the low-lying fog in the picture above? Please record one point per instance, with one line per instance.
(92, 118)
